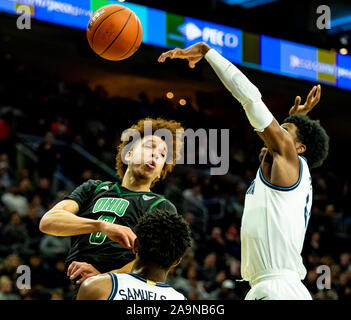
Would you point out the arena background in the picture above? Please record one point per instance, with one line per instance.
(62, 112)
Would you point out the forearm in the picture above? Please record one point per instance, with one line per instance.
(242, 89)
(64, 223)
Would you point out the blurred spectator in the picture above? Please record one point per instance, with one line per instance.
(326, 295)
(197, 288)
(5, 179)
(53, 248)
(26, 188)
(56, 275)
(7, 132)
(6, 289)
(232, 242)
(15, 235)
(215, 242)
(220, 277)
(226, 291)
(39, 277)
(178, 282)
(32, 220)
(311, 281)
(47, 155)
(9, 266)
(44, 191)
(195, 230)
(193, 199)
(314, 244)
(37, 203)
(15, 201)
(208, 270)
(60, 127)
(174, 193)
(57, 294)
(345, 261)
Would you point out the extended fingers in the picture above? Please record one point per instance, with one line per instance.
(79, 268)
(317, 97)
(297, 101)
(175, 53)
(128, 239)
(72, 268)
(77, 272)
(164, 56)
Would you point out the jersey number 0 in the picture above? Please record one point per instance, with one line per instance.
(99, 237)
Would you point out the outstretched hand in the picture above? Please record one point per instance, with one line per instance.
(193, 53)
(312, 99)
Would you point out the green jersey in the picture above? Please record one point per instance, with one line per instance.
(109, 201)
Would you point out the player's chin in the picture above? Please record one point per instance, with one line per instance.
(147, 172)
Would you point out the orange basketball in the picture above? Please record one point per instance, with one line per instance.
(114, 32)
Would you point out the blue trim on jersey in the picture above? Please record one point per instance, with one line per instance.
(304, 159)
(114, 286)
(267, 183)
(307, 215)
(158, 284)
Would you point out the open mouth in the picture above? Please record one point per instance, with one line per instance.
(151, 164)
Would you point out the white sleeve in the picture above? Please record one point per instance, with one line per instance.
(242, 89)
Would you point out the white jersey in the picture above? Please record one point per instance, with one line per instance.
(273, 226)
(129, 286)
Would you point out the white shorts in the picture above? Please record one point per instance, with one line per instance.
(285, 286)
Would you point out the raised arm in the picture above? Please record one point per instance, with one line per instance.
(274, 137)
(280, 140)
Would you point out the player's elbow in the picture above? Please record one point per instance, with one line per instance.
(45, 224)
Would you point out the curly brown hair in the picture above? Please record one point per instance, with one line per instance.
(137, 129)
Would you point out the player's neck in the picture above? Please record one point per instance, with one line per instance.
(150, 272)
(131, 183)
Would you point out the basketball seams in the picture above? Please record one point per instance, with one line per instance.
(102, 21)
(112, 42)
(112, 36)
(136, 38)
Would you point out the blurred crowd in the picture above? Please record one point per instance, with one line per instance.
(43, 105)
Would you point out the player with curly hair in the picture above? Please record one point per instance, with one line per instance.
(100, 216)
(162, 239)
(278, 202)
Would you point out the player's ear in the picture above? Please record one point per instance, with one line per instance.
(300, 148)
(128, 156)
(136, 246)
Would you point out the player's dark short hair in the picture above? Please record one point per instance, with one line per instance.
(163, 237)
(313, 136)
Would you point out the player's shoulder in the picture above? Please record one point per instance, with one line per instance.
(91, 183)
(95, 288)
(160, 202)
(303, 160)
(103, 185)
(304, 169)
